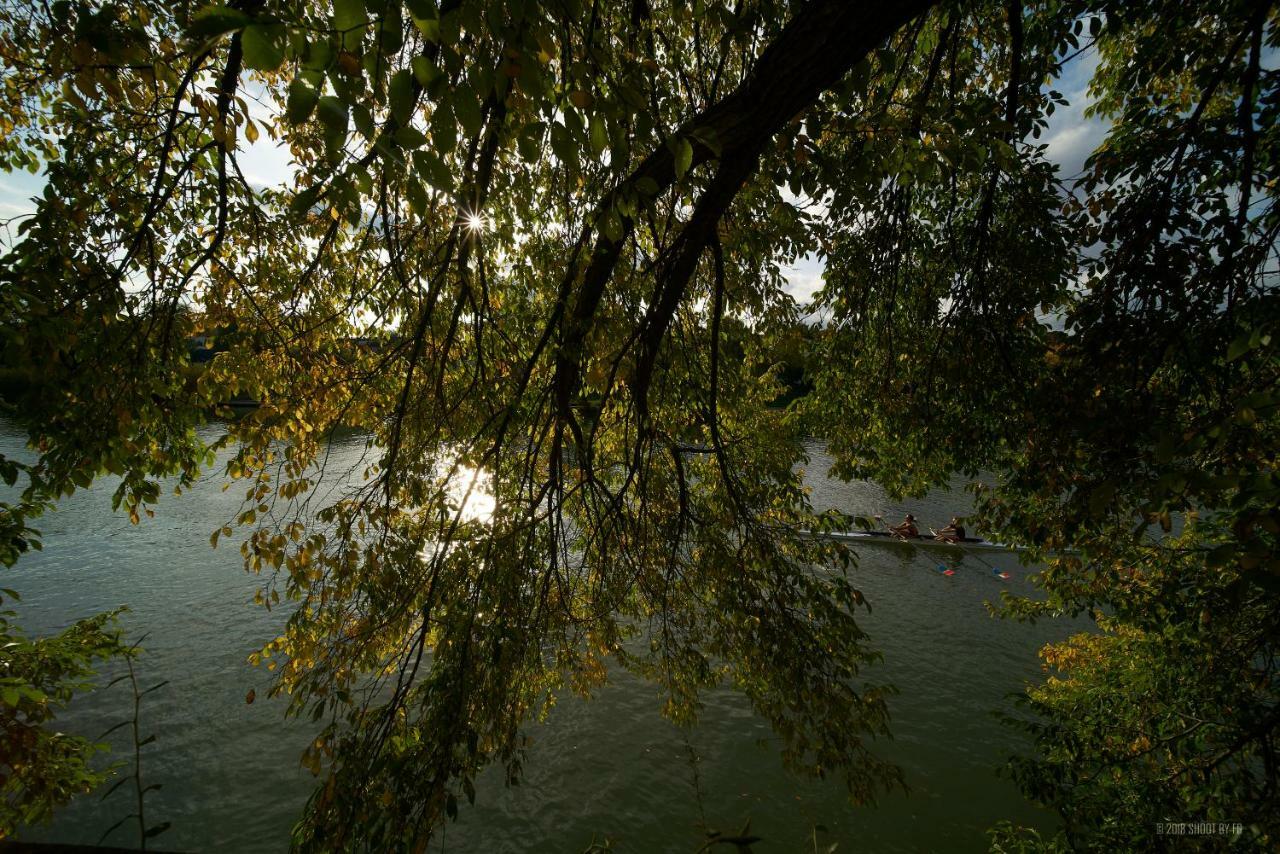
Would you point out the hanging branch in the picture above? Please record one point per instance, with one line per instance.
(135, 723)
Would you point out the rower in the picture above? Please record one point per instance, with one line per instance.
(907, 530)
(953, 533)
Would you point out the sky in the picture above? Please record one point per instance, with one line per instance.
(1070, 138)
(16, 192)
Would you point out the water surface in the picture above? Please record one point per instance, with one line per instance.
(608, 769)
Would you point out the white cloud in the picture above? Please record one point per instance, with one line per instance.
(1071, 137)
(1075, 138)
(804, 279)
(267, 164)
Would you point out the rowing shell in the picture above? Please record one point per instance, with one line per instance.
(969, 544)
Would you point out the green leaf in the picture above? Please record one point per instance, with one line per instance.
(363, 120)
(1241, 345)
(300, 204)
(410, 137)
(563, 145)
(317, 56)
(157, 829)
(424, 9)
(333, 113)
(417, 197)
(263, 46)
(599, 136)
(400, 96)
(350, 20)
(424, 70)
(391, 30)
(467, 108)
(530, 142)
(612, 226)
(213, 21)
(646, 186)
(444, 131)
(301, 101)
(434, 170)
(429, 27)
(683, 151)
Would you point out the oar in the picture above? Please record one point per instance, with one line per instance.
(996, 571)
(940, 568)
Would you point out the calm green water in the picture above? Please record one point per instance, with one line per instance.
(610, 768)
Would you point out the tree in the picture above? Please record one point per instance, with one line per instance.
(1137, 425)
(517, 235)
(41, 769)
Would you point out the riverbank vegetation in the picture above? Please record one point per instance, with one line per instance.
(539, 246)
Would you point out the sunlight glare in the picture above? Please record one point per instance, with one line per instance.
(469, 498)
(473, 491)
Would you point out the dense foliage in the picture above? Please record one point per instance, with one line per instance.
(41, 769)
(1108, 350)
(535, 249)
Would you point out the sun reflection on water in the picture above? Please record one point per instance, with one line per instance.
(469, 500)
(471, 492)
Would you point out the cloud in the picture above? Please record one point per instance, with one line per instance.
(804, 279)
(267, 164)
(1071, 137)
(1075, 137)
(21, 185)
(16, 192)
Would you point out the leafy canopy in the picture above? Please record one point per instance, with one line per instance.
(534, 249)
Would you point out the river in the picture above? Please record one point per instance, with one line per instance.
(608, 769)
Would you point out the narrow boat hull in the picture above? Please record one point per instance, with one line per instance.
(882, 538)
